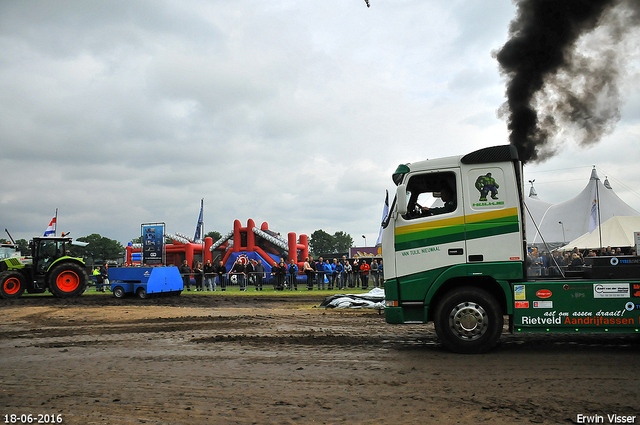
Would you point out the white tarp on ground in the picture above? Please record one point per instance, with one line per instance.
(617, 232)
(372, 299)
(560, 223)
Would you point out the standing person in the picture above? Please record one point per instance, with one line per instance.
(249, 271)
(293, 275)
(104, 272)
(381, 274)
(274, 275)
(238, 271)
(348, 271)
(364, 271)
(308, 271)
(259, 269)
(279, 271)
(96, 273)
(209, 276)
(356, 273)
(185, 272)
(198, 276)
(374, 272)
(337, 273)
(221, 271)
(282, 273)
(320, 273)
(327, 273)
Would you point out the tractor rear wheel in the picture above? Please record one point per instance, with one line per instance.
(68, 280)
(12, 284)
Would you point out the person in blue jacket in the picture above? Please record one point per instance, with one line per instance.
(293, 275)
(336, 269)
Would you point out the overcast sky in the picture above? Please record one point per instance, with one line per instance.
(292, 112)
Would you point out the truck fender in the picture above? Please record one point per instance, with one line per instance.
(457, 276)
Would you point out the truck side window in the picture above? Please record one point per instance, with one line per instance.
(423, 191)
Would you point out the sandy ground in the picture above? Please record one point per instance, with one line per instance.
(198, 359)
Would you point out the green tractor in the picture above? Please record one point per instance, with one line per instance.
(50, 267)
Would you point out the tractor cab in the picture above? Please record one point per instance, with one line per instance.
(46, 250)
(8, 251)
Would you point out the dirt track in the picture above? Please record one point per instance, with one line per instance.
(211, 359)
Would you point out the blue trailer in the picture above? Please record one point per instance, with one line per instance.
(144, 281)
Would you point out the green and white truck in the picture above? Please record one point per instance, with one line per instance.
(463, 266)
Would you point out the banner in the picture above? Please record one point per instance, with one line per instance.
(153, 243)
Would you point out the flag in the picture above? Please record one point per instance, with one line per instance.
(385, 213)
(593, 218)
(51, 230)
(200, 223)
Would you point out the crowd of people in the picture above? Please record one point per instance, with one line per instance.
(321, 274)
(543, 263)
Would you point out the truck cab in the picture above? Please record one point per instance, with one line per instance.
(454, 250)
(455, 223)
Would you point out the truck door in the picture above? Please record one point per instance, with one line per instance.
(491, 214)
(431, 236)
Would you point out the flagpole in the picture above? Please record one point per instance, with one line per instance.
(598, 206)
(55, 228)
(202, 236)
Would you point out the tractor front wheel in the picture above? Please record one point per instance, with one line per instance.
(68, 280)
(11, 284)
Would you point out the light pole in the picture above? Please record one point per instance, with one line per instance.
(564, 238)
(365, 240)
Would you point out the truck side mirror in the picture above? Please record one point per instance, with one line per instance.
(401, 196)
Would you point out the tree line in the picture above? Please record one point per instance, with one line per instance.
(100, 249)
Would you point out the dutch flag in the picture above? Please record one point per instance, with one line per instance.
(51, 230)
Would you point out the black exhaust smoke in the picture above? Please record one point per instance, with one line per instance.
(562, 63)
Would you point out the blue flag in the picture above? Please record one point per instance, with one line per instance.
(200, 224)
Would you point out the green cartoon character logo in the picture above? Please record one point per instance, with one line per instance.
(485, 185)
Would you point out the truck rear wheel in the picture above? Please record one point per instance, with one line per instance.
(468, 320)
(142, 294)
(68, 280)
(11, 284)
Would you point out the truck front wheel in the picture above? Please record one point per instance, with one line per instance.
(68, 280)
(11, 284)
(468, 320)
(118, 292)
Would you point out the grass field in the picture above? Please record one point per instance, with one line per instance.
(251, 292)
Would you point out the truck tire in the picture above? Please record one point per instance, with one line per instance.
(468, 320)
(142, 294)
(68, 280)
(118, 292)
(12, 284)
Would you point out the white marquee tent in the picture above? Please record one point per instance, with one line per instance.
(617, 232)
(559, 223)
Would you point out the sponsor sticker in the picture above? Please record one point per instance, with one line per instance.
(543, 304)
(543, 293)
(519, 292)
(522, 304)
(611, 290)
